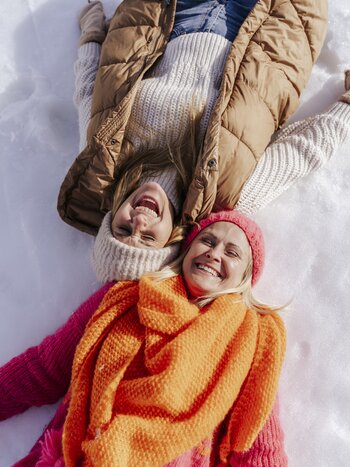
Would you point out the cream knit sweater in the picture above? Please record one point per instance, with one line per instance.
(296, 151)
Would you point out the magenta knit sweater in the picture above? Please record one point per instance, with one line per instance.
(41, 375)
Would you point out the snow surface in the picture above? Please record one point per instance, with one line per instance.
(44, 264)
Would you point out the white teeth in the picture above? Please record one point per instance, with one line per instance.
(147, 211)
(147, 206)
(208, 269)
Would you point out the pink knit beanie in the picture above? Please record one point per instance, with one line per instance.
(249, 227)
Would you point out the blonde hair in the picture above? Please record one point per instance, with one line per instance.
(177, 234)
(150, 162)
(244, 289)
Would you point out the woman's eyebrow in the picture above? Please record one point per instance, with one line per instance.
(207, 233)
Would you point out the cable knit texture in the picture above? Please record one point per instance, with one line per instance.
(113, 260)
(172, 91)
(296, 151)
(85, 69)
(154, 375)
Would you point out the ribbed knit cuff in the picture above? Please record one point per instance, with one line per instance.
(112, 260)
(89, 50)
(299, 149)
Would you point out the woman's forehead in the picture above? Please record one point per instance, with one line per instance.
(227, 232)
(224, 228)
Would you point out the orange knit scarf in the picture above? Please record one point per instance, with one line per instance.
(154, 375)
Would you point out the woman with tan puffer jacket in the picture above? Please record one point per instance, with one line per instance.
(163, 97)
(150, 81)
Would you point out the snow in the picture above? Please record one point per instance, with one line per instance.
(45, 268)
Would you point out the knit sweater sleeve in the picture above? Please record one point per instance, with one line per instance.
(41, 374)
(298, 149)
(85, 70)
(268, 448)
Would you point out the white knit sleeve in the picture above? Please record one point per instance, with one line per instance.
(297, 150)
(85, 69)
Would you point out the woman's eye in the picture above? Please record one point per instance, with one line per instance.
(207, 241)
(148, 238)
(232, 254)
(124, 231)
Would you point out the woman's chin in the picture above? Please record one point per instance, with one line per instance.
(198, 291)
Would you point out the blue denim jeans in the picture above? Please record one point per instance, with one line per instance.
(223, 17)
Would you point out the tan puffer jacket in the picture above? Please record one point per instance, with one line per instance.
(269, 65)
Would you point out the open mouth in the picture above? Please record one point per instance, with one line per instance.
(147, 205)
(204, 267)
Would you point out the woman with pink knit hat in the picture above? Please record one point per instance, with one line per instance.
(231, 440)
(166, 101)
(179, 369)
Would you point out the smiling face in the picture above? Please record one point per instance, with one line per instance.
(216, 260)
(145, 219)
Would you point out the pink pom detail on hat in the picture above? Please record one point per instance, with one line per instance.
(250, 228)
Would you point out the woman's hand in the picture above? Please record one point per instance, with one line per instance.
(347, 80)
(346, 97)
(92, 23)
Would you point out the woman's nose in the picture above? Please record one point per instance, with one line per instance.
(213, 253)
(138, 221)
